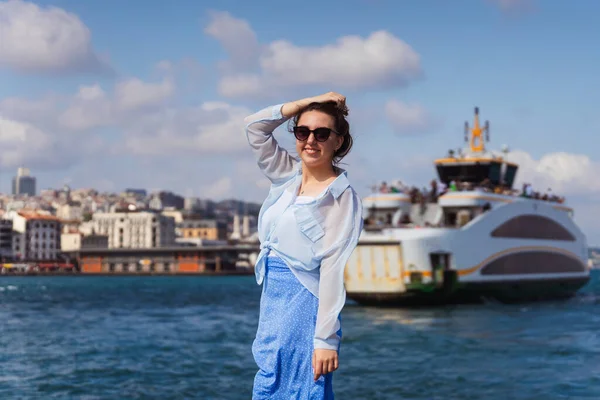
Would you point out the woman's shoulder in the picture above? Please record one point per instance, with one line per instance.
(342, 186)
(345, 197)
(342, 209)
(350, 195)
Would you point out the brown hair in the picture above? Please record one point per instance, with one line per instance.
(339, 114)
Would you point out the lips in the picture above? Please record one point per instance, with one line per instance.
(311, 151)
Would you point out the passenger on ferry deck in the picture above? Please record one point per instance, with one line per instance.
(433, 193)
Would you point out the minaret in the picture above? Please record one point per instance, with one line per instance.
(245, 222)
(236, 227)
(246, 226)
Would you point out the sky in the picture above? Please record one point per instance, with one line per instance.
(118, 94)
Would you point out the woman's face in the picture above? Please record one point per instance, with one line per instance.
(312, 152)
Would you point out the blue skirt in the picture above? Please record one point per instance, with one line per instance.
(283, 347)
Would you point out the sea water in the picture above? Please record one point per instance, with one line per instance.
(190, 338)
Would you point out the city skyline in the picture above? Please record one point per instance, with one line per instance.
(139, 191)
(138, 95)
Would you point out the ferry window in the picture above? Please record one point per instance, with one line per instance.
(509, 175)
(450, 218)
(479, 173)
(474, 173)
(495, 172)
(448, 173)
(533, 262)
(532, 227)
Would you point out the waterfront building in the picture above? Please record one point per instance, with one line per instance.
(75, 240)
(135, 230)
(6, 237)
(36, 236)
(209, 229)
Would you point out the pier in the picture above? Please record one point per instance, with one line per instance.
(176, 260)
(209, 260)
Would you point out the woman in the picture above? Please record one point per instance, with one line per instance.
(309, 225)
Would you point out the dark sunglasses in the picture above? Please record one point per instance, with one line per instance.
(321, 134)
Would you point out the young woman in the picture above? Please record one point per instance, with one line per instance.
(308, 226)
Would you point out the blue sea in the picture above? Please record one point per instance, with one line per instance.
(190, 338)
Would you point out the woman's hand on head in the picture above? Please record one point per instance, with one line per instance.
(294, 107)
(324, 361)
(340, 99)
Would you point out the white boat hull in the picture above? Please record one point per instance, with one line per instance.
(396, 265)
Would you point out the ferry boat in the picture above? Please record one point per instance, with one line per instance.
(480, 239)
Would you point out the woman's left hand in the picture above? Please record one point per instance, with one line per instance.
(324, 361)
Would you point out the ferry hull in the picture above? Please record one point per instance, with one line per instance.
(517, 291)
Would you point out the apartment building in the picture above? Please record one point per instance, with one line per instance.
(135, 230)
(70, 212)
(73, 241)
(6, 239)
(209, 229)
(36, 236)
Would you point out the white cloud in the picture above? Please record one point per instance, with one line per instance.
(211, 128)
(409, 118)
(352, 62)
(242, 85)
(586, 216)
(236, 36)
(35, 39)
(31, 134)
(20, 109)
(24, 144)
(248, 171)
(90, 108)
(218, 189)
(565, 173)
(134, 94)
(90, 93)
(141, 123)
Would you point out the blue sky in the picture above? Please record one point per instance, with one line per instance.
(119, 108)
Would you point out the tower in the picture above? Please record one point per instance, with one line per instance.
(236, 227)
(23, 183)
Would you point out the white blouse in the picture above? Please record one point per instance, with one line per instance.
(313, 236)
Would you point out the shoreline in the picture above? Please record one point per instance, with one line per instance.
(130, 274)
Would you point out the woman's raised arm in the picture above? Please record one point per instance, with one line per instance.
(273, 160)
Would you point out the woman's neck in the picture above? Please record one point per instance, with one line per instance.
(317, 175)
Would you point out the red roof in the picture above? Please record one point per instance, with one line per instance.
(38, 216)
